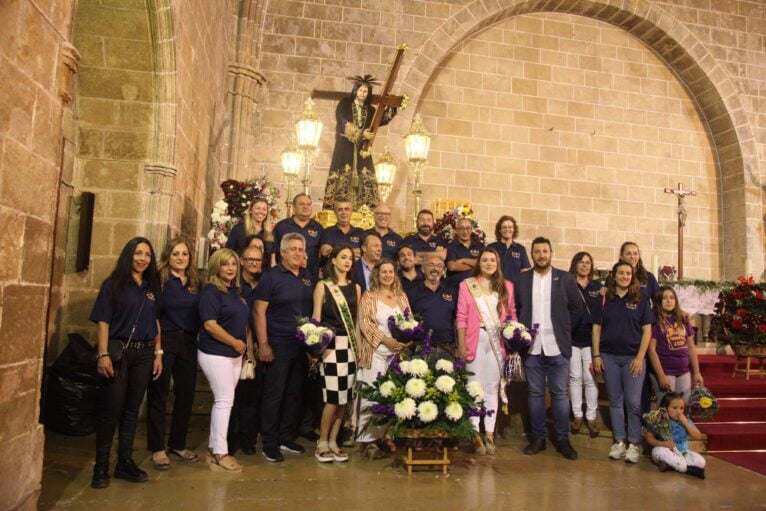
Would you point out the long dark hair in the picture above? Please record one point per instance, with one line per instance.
(496, 282)
(164, 263)
(675, 317)
(634, 289)
(640, 272)
(669, 397)
(355, 89)
(579, 256)
(329, 268)
(121, 277)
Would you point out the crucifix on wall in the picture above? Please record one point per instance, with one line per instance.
(681, 194)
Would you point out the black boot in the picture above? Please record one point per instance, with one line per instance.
(695, 471)
(101, 477)
(128, 470)
(535, 445)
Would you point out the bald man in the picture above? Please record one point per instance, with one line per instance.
(391, 240)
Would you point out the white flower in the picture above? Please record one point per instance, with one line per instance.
(307, 328)
(453, 411)
(313, 339)
(444, 365)
(415, 387)
(475, 390)
(417, 367)
(406, 408)
(526, 336)
(387, 388)
(427, 411)
(508, 332)
(445, 383)
(404, 365)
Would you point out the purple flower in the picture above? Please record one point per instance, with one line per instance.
(394, 364)
(479, 412)
(380, 409)
(459, 363)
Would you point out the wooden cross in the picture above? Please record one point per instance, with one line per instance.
(385, 98)
(681, 194)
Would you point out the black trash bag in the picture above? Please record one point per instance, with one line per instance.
(71, 397)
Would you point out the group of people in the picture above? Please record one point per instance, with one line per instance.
(157, 321)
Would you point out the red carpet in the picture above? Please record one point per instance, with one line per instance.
(737, 434)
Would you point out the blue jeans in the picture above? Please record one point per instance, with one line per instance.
(624, 392)
(556, 369)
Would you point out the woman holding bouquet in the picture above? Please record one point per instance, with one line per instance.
(621, 332)
(383, 299)
(335, 305)
(484, 301)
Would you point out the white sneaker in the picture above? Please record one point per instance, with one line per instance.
(632, 454)
(617, 451)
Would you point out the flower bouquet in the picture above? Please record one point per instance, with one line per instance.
(702, 403)
(405, 327)
(657, 423)
(516, 336)
(433, 398)
(740, 315)
(446, 226)
(314, 337)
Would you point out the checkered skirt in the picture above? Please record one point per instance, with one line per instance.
(338, 370)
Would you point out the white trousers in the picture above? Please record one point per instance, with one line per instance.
(223, 375)
(364, 432)
(676, 460)
(680, 384)
(581, 378)
(487, 372)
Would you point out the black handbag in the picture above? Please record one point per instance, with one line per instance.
(115, 347)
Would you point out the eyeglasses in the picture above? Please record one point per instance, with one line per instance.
(382, 214)
(250, 260)
(464, 228)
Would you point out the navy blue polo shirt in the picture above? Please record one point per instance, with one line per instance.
(622, 325)
(313, 234)
(238, 240)
(651, 288)
(180, 307)
(230, 311)
(333, 236)
(391, 243)
(248, 293)
(513, 259)
(418, 244)
(582, 335)
(457, 250)
(122, 311)
(407, 283)
(436, 308)
(289, 296)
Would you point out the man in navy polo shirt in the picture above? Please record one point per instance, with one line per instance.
(425, 241)
(409, 274)
(342, 231)
(463, 252)
(436, 302)
(390, 239)
(372, 248)
(301, 223)
(284, 293)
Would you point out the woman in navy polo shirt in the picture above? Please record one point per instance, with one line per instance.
(622, 328)
(222, 342)
(580, 377)
(513, 255)
(630, 253)
(255, 223)
(126, 310)
(179, 324)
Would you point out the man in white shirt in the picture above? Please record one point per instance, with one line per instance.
(548, 297)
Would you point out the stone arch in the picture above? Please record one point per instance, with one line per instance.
(708, 85)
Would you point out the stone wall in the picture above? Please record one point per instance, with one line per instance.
(37, 64)
(711, 77)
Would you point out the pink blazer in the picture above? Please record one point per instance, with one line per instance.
(468, 317)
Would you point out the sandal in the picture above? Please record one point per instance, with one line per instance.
(390, 445)
(337, 453)
(323, 453)
(224, 462)
(160, 460)
(184, 455)
(489, 446)
(478, 446)
(373, 452)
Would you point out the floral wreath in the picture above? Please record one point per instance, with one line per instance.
(446, 226)
(237, 198)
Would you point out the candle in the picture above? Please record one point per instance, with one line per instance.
(748, 267)
(655, 264)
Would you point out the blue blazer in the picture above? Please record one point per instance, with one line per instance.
(567, 309)
(359, 275)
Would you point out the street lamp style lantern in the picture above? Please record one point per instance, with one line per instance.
(291, 167)
(385, 171)
(417, 142)
(308, 129)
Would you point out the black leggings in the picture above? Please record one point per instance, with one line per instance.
(119, 399)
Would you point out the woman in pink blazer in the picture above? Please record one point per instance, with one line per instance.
(484, 301)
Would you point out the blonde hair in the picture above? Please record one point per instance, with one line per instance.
(375, 286)
(219, 257)
(164, 263)
(265, 231)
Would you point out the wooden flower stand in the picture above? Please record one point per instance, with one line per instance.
(743, 351)
(436, 449)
